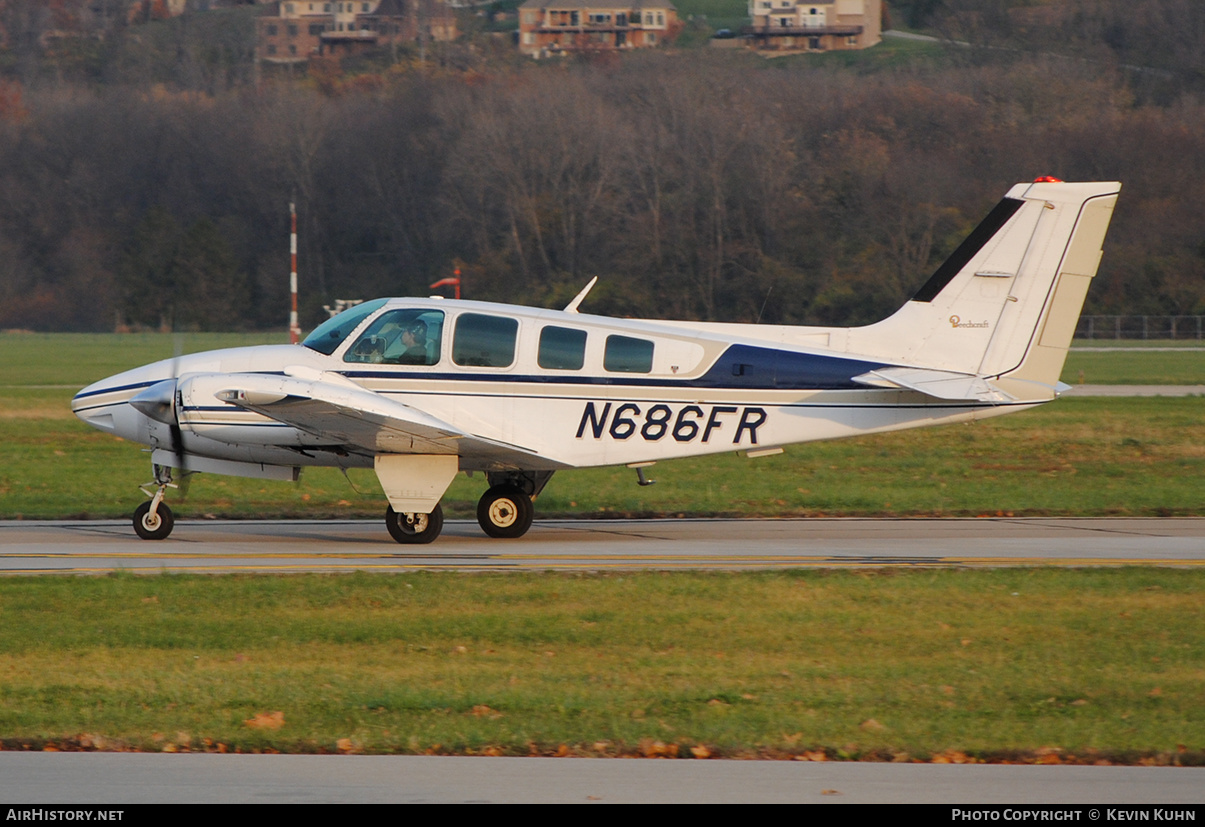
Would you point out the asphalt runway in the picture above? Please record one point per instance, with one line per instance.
(42, 779)
(94, 547)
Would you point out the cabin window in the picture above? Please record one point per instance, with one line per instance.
(627, 355)
(400, 337)
(562, 348)
(484, 341)
(327, 336)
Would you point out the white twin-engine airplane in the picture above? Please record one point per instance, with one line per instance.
(419, 389)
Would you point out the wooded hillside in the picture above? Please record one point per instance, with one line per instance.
(694, 183)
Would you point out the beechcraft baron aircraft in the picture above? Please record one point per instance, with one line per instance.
(419, 389)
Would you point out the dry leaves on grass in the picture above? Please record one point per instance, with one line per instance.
(813, 755)
(952, 756)
(266, 720)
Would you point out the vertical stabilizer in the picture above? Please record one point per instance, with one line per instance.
(1006, 303)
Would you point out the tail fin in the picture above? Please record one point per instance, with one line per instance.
(1005, 305)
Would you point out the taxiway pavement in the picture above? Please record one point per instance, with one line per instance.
(86, 547)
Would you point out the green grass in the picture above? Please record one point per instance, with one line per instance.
(1006, 664)
(1132, 363)
(78, 359)
(890, 53)
(1137, 344)
(718, 14)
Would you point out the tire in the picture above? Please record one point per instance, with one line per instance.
(414, 529)
(505, 511)
(159, 527)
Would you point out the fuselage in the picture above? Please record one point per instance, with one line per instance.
(574, 390)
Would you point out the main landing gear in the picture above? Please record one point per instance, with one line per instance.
(153, 520)
(504, 511)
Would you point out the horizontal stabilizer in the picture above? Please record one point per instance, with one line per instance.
(940, 384)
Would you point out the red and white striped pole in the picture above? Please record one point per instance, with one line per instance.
(294, 327)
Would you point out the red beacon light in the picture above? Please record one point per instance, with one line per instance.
(1048, 179)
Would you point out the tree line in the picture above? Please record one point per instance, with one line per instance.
(698, 184)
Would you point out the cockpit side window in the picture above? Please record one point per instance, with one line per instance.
(327, 336)
(484, 341)
(400, 337)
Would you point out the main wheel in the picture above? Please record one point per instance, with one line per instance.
(505, 511)
(414, 529)
(156, 527)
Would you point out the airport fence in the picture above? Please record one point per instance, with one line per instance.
(1140, 327)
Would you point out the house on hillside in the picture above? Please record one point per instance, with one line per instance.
(548, 27)
(293, 30)
(807, 25)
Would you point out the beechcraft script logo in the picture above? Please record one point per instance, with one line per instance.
(956, 321)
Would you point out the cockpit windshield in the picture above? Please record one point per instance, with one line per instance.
(327, 336)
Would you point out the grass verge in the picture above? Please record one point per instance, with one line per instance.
(1006, 665)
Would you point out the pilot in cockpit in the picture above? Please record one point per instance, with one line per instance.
(414, 339)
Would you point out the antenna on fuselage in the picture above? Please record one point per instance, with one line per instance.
(572, 306)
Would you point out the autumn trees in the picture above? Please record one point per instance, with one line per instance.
(696, 184)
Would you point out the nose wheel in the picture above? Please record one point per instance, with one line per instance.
(414, 529)
(505, 511)
(156, 525)
(153, 520)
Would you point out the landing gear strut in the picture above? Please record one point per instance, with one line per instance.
(153, 520)
(414, 529)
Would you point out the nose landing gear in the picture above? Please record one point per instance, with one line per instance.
(153, 520)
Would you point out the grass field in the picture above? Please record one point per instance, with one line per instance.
(1136, 363)
(1017, 665)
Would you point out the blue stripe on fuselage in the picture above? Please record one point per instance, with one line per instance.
(746, 366)
(740, 366)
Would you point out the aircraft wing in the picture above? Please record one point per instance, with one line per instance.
(940, 384)
(334, 408)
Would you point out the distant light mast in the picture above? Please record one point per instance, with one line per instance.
(294, 327)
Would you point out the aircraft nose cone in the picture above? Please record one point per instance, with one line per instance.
(92, 406)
